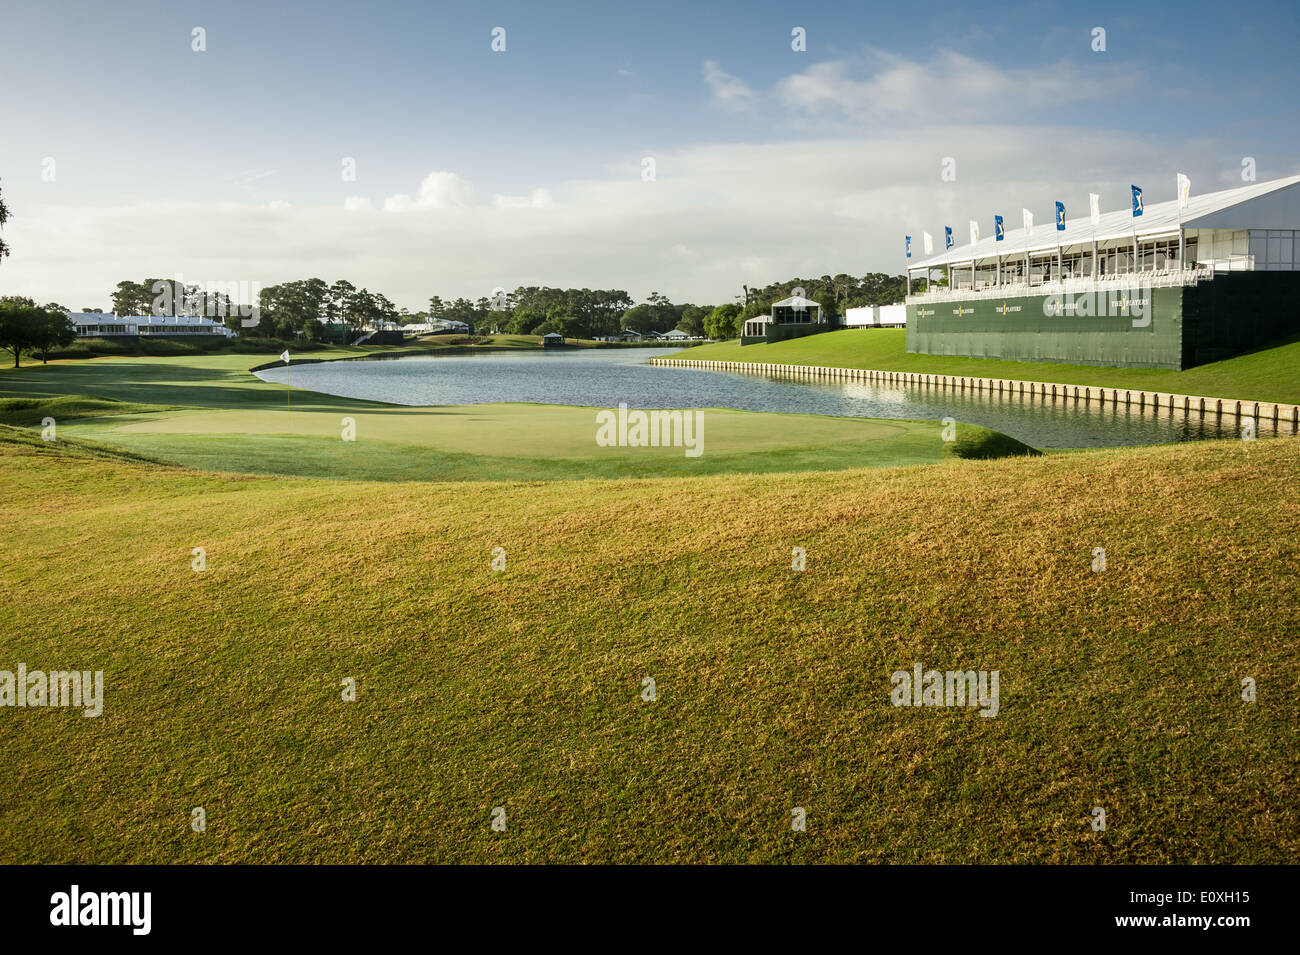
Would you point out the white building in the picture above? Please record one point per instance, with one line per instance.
(876, 316)
(100, 325)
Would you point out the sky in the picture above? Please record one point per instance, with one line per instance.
(685, 148)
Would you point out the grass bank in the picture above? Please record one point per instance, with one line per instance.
(522, 689)
(1268, 374)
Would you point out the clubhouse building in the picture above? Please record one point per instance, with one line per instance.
(99, 325)
(1180, 284)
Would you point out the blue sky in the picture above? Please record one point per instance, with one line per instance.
(524, 167)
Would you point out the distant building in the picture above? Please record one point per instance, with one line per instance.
(99, 325)
(675, 335)
(876, 316)
(552, 340)
(791, 317)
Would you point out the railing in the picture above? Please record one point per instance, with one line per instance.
(1072, 286)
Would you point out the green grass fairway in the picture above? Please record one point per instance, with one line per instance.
(521, 689)
(235, 422)
(1270, 374)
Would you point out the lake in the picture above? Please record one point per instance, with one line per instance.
(603, 378)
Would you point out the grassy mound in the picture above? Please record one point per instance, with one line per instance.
(523, 689)
(30, 412)
(985, 444)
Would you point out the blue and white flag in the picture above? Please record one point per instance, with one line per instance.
(947, 237)
(907, 246)
(1060, 217)
(999, 230)
(1137, 201)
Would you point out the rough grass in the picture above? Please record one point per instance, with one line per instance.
(30, 412)
(521, 689)
(1267, 374)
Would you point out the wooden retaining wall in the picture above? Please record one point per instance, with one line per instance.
(1139, 401)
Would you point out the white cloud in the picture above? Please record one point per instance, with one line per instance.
(358, 204)
(718, 216)
(439, 190)
(540, 199)
(878, 86)
(726, 90)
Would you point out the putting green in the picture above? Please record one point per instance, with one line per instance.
(508, 428)
(232, 421)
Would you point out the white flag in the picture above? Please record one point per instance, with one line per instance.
(974, 231)
(1029, 220)
(1094, 207)
(1184, 190)
(929, 243)
(285, 356)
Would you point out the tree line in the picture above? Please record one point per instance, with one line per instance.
(33, 329)
(296, 309)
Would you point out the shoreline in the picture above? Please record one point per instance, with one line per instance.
(1279, 413)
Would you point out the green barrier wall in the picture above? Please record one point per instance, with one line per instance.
(780, 333)
(1238, 311)
(1187, 326)
(1018, 330)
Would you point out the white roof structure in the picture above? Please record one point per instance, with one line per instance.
(797, 302)
(158, 321)
(144, 321)
(1261, 205)
(98, 318)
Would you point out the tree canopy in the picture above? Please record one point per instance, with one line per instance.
(31, 328)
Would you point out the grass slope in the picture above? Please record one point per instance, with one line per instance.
(522, 689)
(1268, 374)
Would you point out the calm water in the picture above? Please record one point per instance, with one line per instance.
(603, 378)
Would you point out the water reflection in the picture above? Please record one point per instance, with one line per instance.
(604, 377)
